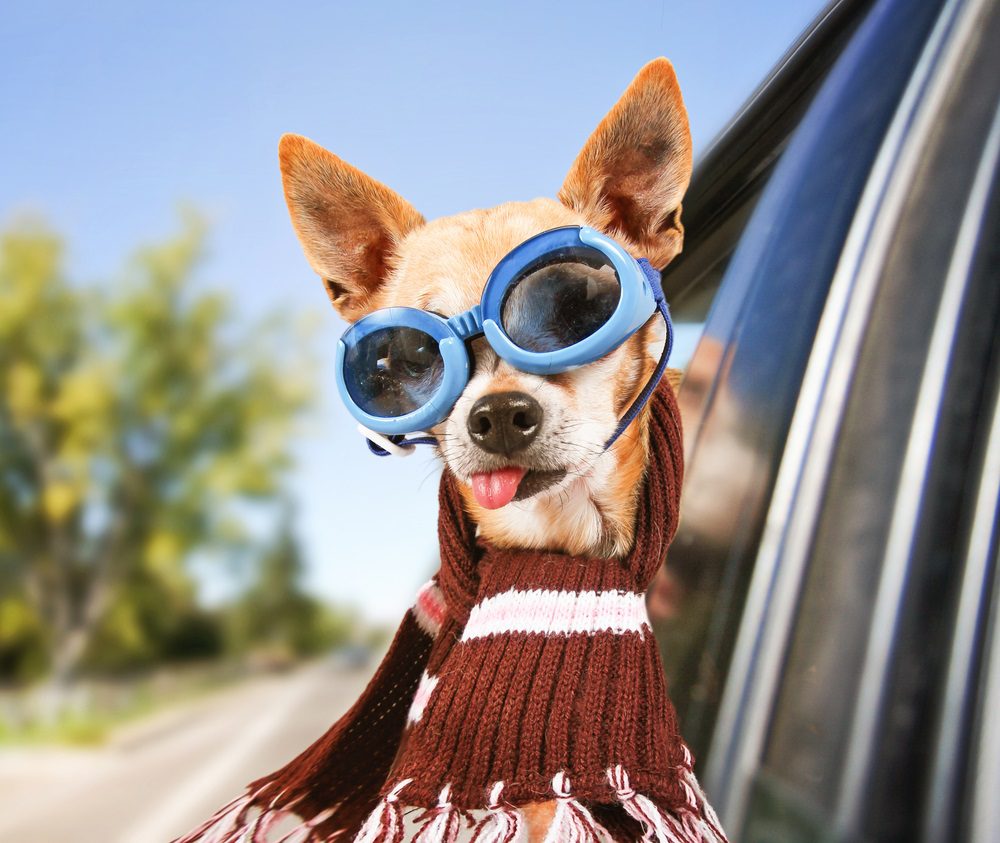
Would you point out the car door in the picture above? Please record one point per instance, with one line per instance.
(836, 410)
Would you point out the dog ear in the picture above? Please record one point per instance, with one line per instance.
(348, 224)
(631, 175)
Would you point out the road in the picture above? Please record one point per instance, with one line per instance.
(160, 778)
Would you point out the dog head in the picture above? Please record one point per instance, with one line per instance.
(544, 433)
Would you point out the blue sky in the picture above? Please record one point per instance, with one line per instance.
(114, 113)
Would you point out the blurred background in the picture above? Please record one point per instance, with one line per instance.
(199, 561)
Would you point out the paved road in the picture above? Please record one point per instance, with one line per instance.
(163, 777)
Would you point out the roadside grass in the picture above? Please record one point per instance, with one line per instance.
(88, 712)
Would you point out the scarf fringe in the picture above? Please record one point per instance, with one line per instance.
(232, 824)
(707, 820)
(303, 833)
(261, 829)
(696, 823)
(572, 822)
(226, 825)
(385, 823)
(657, 825)
(503, 824)
(441, 823)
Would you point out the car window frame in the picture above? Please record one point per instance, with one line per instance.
(758, 282)
(778, 572)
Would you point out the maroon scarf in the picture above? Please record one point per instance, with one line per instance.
(518, 677)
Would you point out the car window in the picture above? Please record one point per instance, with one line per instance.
(860, 688)
(693, 602)
(731, 173)
(698, 276)
(764, 246)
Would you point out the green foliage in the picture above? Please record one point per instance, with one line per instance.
(146, 625)
(136, 420)
(23, 641)
(277, 616)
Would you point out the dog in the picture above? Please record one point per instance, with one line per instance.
(373, 250)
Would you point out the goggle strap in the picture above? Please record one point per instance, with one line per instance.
(394, 445)
(653, 276)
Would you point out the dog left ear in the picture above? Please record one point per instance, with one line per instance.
(348, 224)
(631, 175)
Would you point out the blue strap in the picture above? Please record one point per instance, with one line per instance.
(402, 441)
(653, 277)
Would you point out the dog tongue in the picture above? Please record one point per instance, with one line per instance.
(494, 489)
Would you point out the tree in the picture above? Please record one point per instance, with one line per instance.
(277, 613)
(134, 419)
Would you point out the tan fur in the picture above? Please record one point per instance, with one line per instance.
(674, 378)
(374, 250)
(538, 818)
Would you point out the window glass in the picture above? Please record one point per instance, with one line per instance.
(688, 601)
(741, 385)
(855, 722)
(693, 280)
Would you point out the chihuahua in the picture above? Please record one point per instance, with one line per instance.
(528, 450)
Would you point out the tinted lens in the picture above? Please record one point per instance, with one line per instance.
(561, 299)
(393, 371)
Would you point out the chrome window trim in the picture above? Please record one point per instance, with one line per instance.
(826, 15)
(984, 811)
(920, 442)
(939, 808)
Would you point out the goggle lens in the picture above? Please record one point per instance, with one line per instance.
(560, 299)
(393, 371)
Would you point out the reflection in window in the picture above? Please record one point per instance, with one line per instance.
(686, 336)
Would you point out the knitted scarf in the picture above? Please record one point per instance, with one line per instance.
(517, 677)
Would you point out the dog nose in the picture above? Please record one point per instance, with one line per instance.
(505, 422)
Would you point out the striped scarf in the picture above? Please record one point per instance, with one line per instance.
(517, 677)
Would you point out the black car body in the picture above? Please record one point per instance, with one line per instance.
(829, 612)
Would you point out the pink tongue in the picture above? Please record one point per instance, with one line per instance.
(494, 489)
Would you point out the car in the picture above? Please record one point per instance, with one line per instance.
(352, 657)
(829, 611)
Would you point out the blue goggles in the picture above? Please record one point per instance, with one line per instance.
(562, 299)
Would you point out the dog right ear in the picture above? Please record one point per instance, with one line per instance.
(631, 174)
(348, 224)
